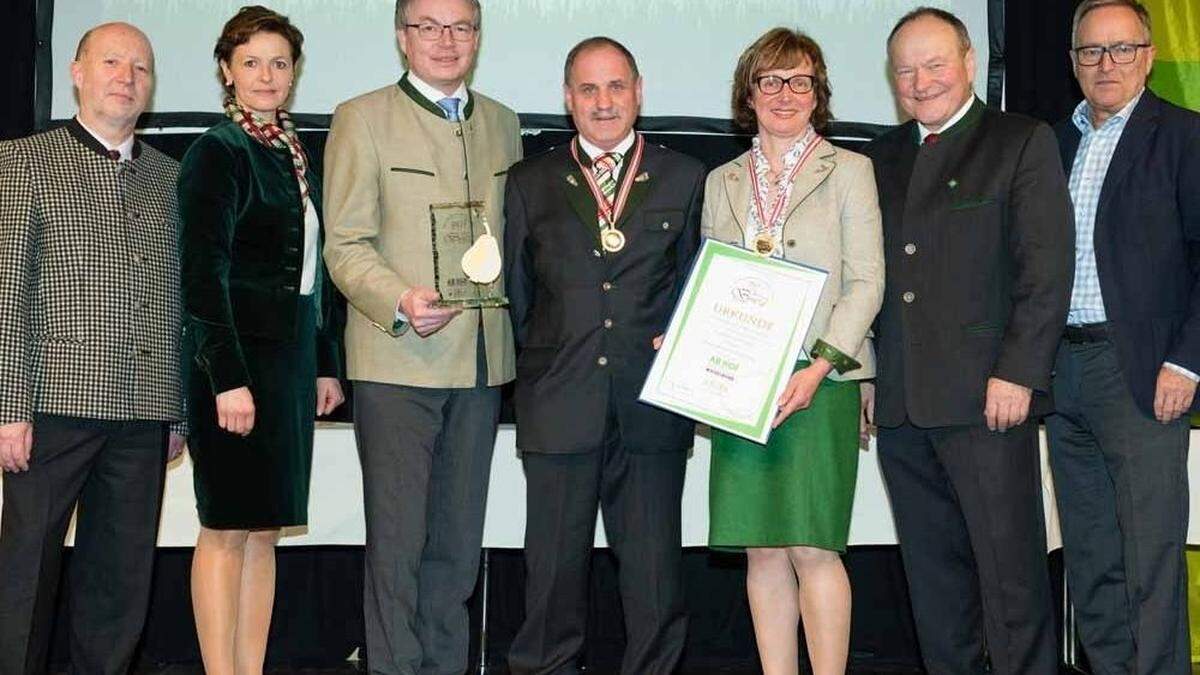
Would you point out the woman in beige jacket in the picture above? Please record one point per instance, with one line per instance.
(794, 195)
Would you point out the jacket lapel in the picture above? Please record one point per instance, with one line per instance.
(737, 186)
(640, 188)
(1134, 139)
(811, 175)
(575, 190)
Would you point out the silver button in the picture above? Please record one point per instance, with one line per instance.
(458, 131)
(602, 361)
(909, 296)
(608, 323)
(910, 248)
(607, 286)
(666, 225)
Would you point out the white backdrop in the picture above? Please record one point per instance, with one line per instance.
(336, 511)
(687, 49)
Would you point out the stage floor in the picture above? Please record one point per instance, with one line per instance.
(354, 669)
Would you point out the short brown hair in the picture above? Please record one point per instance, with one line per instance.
(401, 17)
(779, 48)
(960, 28)
(248, 21)
(1087, 6)
(595, 43)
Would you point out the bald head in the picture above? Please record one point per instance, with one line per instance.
(113, 73)
(118, 27)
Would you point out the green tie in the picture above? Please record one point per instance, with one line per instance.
(605, 167)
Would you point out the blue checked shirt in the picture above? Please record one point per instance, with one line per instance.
(1095, 153)
(1096, 148)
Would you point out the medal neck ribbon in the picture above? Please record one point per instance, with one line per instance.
(610, 212)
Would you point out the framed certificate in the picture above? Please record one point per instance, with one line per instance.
(734, 339)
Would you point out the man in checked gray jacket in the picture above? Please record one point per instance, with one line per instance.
(89, 362)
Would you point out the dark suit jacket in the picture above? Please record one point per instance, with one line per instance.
(242, 250)
(1147, 239)
(978, 229)
(584, 319)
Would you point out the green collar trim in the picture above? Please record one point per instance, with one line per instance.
(419, 98)
(968, 121)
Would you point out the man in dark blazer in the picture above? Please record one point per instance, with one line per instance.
(589, 294)
(1126, 370)
(977, 241)
(89, 362)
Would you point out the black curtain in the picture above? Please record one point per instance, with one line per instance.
(17, 52)
(1039, 79)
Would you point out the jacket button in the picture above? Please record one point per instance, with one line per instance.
(909, 296)
(607, 286)
(602, 361)
(910, 248)
(608, 323)
(666, 225)
(791, 243)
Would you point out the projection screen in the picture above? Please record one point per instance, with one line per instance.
(686, 48)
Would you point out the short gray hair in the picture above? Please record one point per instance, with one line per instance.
(402, 10)
(1087, 6)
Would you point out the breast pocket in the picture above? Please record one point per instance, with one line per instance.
(665, 223)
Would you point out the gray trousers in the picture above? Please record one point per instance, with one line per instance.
(114, 471)
(426, 457)
(1121, 482)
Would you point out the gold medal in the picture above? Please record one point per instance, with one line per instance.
(612, 239)
(764, 245)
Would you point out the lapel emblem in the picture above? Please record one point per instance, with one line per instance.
(642, 177)
(952, 184)
(572, 181)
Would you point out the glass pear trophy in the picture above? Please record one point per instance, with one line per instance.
(466, 256)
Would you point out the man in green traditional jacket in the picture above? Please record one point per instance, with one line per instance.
(426, 378)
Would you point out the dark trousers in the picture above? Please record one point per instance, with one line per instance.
(114, 470)
(639, 497)
(967, 504)
(1121, 482)
(426, 457)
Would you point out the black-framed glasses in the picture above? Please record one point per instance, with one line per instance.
(773, 84)
(1121, 53)
(431, 31)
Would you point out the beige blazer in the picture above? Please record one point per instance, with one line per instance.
(833, 223)
(388, 157)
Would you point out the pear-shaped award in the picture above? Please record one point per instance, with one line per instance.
(481, 262)
(466, 262)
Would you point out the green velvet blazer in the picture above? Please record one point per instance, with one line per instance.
(241, 254)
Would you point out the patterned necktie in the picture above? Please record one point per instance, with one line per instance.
(450, 105)
(931, 139)
(605, 168)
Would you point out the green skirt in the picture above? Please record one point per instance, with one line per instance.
(260, 481)
(798, 489)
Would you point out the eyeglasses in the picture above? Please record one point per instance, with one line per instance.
(773, 84)
(431, 31)
(1120, 53)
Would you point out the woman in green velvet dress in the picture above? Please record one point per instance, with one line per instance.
(264, 358)
(787, 503)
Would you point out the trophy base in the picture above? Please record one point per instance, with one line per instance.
(473, 303)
